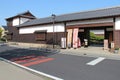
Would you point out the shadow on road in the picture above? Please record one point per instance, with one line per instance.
(17, 54)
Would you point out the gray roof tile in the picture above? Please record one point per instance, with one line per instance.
(23, 15)
(114, 11)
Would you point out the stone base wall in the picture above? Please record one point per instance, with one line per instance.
(30, 45)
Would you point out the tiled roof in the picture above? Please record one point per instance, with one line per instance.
(107, 12)
(23, 15)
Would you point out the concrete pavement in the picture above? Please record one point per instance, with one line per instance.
(11, 72)
(91, 52)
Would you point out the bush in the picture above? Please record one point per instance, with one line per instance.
(99, 38)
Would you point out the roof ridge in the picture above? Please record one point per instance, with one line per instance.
(19, 14)
(23, 12)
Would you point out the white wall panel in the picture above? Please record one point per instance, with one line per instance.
(117, 23)
(15, 21)
(22, 20)
(49, 28)
(90, 21)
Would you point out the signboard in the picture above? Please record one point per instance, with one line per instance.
(63, 42)
(105, 44)
(112, 45)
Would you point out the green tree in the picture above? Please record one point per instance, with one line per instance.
(92, 36)
(1, 31)
(94, 39)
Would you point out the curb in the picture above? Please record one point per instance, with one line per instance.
(31, 70)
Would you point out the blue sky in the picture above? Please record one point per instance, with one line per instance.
(44, 8)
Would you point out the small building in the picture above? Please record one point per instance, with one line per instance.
(75, 27)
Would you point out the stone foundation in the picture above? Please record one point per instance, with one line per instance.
(30, 45)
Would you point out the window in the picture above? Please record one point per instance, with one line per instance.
(40, 35)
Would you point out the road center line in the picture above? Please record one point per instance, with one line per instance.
(96, 61)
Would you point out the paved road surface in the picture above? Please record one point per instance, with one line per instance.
(67, 67)
(74, 68)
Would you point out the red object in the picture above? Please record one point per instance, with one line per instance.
(30, 59)
(38, 62)
(75, 37)
(79, 42)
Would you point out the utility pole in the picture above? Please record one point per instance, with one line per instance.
(53, 18)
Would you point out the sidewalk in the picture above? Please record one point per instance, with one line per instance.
(11, 72)
(91, 52)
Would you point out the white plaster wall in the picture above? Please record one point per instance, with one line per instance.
(117, 23)
(90, 21)
(15, 21)
(49, 28)
(22, 20)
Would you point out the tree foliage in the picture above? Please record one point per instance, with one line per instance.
(1, 31)
(94, 37)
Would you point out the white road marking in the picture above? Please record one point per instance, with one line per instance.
(96, 61)
(32, 70)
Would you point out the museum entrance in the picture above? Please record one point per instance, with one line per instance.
(90, 35)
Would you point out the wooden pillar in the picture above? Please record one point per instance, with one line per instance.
(65, 33)
(105, 34)
(87, 35)
(114, 32)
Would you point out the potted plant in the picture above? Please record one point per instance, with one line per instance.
(116, 50)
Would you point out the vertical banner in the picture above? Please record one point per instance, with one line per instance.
(69, 38)
(79, 42)
(75, 37)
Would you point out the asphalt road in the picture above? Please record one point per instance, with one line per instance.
(67, 67)
(74, 68)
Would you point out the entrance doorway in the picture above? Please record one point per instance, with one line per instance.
(96, 35)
